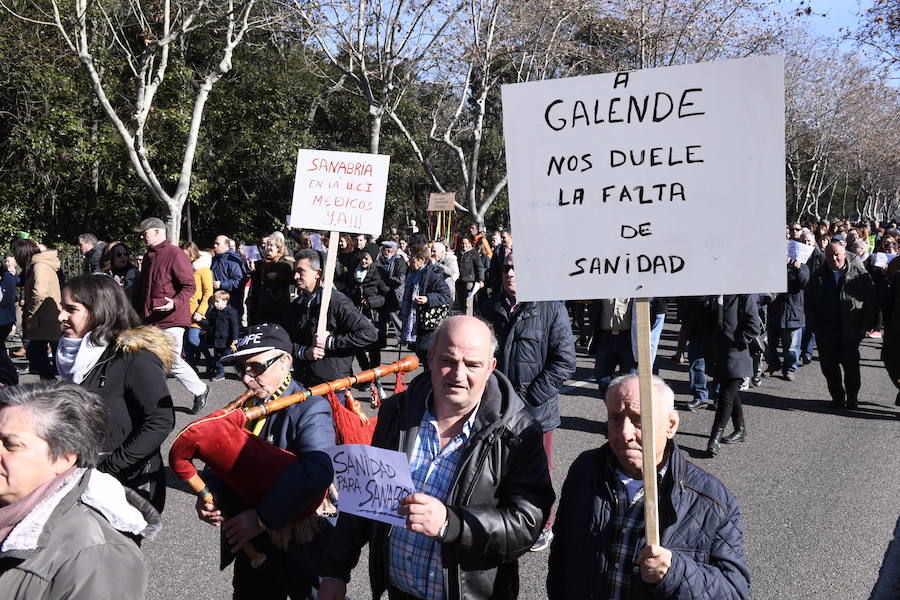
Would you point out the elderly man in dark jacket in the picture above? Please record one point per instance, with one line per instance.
(537, 354)
(785, 321)
(842, 307)
(475, 455)
(229, 273)
(163, 297)
(323, 358)
(292, 543)
(596, 552)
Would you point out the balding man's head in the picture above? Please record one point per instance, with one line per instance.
(461, 359)
(220, 246)
(836, 255)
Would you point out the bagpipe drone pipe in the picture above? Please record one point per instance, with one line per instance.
(248, 464)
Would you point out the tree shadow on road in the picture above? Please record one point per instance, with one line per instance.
(866, 410)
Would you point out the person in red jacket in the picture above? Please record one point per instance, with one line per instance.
(163, 298)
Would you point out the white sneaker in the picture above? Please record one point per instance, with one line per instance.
(543, 541)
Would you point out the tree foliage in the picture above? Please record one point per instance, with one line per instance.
(316, 79)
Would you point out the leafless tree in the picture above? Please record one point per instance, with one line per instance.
(376, 47)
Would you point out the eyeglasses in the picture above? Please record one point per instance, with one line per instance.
(508, 268)
(255, 369)
(796, 229)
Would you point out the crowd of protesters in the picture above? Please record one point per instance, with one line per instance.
(477, 425)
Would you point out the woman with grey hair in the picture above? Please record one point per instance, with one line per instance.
(63, 524)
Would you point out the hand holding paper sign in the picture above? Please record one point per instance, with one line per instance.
(371, 483)
(798, 251)
(425, 514)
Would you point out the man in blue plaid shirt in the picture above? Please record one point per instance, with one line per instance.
(483, 490)
(599, 550)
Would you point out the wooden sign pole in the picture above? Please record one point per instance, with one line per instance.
(648, 421)
(327, 282)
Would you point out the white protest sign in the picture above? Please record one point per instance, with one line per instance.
(660, 182)
(882, 259)
(371, 481)
(799, 251)
(339, 191)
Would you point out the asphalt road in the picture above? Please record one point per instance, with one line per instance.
(819, 490)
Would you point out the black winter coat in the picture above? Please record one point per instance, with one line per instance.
(269, 297)
(727, 336)
(130, 377)
(535, 352)
(788, 309)
(221, 327)
(699, 521)
(394, 276)
(350, 332)
(432, 285)
(369, 295)
(856, 298)
(498, 504)
(471, 269)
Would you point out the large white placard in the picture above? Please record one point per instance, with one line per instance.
(659, 182)
(339, 191)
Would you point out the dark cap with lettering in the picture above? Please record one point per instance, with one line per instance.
(150, 223)
(260, 338)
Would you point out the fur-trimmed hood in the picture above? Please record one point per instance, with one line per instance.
(149, 338)
(204, 261)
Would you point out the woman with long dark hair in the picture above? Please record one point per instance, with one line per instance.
(116, 262)
(41, 308)
(105, 349)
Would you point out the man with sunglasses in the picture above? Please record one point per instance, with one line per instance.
(263, 360)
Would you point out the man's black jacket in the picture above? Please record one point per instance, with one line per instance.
(536, 352)
(350, 332)
(498, 504)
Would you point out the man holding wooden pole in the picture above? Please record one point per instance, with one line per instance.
(599, 548)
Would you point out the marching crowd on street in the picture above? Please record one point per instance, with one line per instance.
(82, 477)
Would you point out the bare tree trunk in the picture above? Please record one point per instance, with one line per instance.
(376, 117)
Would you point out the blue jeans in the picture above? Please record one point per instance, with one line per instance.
(807, 343)
(697, 371)
(194, 346)
(613, 351)
(790, 346)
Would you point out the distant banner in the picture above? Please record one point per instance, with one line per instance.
(441, 201)
(371, 481)
(339, 191)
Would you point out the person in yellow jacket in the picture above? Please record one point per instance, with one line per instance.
(203, 278)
